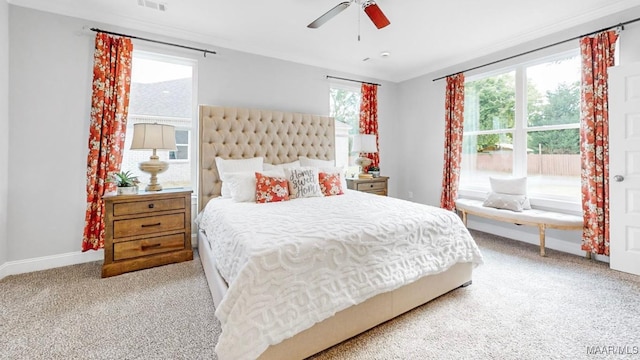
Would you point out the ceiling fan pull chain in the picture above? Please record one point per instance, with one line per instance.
(358, 26)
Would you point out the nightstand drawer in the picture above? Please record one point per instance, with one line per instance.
(372, 186)
(148, 225)
(160, 244)
(146, 229)
(148, 206)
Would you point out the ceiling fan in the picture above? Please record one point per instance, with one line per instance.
(368, 6)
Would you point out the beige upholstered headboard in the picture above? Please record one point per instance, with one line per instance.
(238, 133)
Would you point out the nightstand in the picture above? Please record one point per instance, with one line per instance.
(377, 185)
(145, 230)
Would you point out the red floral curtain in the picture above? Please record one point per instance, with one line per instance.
(109, 108)
(597, 55)
(369, 117)
(454, 121)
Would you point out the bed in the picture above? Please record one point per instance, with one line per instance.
(292, 278)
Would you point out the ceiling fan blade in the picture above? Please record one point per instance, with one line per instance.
(329, 15)
(375, 14)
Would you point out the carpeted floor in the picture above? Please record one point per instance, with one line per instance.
(520, 306)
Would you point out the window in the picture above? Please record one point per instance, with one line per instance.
(344, 106)
(182, 146)
(162, 91)
(524, 121)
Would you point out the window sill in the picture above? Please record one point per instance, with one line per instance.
(559, 205)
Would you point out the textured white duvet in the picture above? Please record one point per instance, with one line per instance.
(292, 264)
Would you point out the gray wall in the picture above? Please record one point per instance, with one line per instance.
(4, 127)
(50, 64)
(51, 69)
(421, 105)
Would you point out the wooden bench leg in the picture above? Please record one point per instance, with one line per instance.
(542, 229)
(464, 218)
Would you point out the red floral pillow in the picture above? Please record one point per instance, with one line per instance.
(271, 189)
(330, 183)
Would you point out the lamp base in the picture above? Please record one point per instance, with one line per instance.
(363, 162)
(153, 167)
(153, 187)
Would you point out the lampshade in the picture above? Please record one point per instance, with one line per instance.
(364, 143)
(153, 136)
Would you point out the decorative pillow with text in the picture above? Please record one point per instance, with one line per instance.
(303, 182)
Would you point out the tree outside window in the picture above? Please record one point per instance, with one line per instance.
(542, 142)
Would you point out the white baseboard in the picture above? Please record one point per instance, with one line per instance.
(49, 262)
(567, 241)
(3, 271)
(527, 234)
(54, 261)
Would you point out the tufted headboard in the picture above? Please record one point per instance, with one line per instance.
(238, 133)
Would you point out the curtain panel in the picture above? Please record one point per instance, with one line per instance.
(369, 118)
(109, 108)
(454, 122)
(597, 54)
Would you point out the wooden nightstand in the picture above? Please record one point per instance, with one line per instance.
(146, 230)
(376, 185)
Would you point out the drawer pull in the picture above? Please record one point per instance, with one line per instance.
(147, 247)
(150, 225)
(151, 206)
(371, 185)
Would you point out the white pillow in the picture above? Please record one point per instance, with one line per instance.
(511, 186)
(227, 166)
(242, 185)
(293, 164)
(305, 161)
(303, 182)
(505, 201)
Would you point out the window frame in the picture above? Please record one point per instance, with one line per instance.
(188, 145)
(520, 131)
(143, 51)
(355, 89)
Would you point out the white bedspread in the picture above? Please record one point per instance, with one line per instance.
(292, 264)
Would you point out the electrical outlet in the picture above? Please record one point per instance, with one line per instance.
(410, 194)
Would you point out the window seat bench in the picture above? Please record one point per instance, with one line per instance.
(535, 217)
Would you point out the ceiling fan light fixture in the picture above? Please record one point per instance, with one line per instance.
(375, 14)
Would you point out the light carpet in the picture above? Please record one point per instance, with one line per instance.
(520, 306)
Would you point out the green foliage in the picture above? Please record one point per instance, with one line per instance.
(344, 106)
(490, 105)
(562, 107)
(125, 179)
(374, 168)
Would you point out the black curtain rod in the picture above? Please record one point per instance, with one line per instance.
(205, 51)
(621, 26)
(358, 81)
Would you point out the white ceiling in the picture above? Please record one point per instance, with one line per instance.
(423, 36)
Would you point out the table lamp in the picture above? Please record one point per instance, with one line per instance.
(364, 143)
(153, 137)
